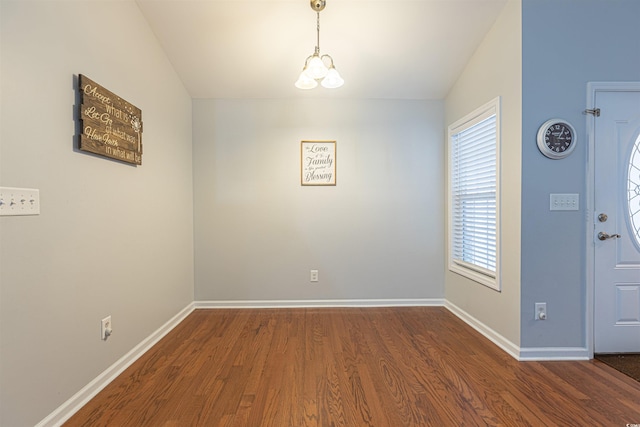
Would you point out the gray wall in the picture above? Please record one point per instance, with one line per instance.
(376, 235)
(111, 238)
(566, 43)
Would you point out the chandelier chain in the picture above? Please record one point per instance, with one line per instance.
(317, 32)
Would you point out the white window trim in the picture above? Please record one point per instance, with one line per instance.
(469, 271)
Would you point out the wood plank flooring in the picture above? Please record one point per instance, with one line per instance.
(385, 367)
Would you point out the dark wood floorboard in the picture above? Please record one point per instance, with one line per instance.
(384, 367)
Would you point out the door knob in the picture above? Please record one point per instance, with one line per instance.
(603, 217)
(604, 236)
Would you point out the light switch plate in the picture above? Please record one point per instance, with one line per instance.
(19, 201)
(564, 202)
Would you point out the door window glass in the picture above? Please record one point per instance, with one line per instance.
(634, 191)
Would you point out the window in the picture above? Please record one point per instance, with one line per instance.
(633, 197)
(474, 232)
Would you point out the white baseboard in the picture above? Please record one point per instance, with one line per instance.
(420, 302)
(553, 353)
(523, 354)
(81, 398)
(489, 333)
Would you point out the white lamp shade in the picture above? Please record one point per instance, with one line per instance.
(305, 82)
(316, 68)
(333, 79)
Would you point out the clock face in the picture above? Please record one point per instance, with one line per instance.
(556, 138)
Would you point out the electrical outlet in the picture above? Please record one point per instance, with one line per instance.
(313, 276)
(105, 330)
(541, 311)
(19, 201)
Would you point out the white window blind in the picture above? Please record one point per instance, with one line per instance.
(473, 197)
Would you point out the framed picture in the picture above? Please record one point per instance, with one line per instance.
(318, 163)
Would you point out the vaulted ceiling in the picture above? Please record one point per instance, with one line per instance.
(404, 49)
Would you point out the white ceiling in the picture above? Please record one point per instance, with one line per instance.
(405, 49)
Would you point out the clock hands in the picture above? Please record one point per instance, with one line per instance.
(556, 138)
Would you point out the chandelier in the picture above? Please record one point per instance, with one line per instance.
(319, 68)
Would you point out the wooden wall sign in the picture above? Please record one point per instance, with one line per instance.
(318, 163)
(111, 127)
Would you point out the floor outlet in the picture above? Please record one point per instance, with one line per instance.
(105, 330)
(314, 276)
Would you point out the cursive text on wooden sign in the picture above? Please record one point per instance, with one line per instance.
(111, 126)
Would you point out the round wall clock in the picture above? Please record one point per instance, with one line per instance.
(556, 138)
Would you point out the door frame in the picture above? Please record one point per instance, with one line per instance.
(592, 89)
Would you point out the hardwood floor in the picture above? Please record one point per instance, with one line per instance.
(386, 367)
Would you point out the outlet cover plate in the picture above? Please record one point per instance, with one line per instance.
(105, 326)
(541, 308)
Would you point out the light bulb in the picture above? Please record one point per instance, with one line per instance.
(316, 68)
(305, 82)
(333, 79)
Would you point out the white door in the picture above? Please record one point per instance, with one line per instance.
(617, 222)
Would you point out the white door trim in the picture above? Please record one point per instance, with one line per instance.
(592, 89)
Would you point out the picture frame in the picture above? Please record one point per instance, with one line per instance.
(318, 163)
